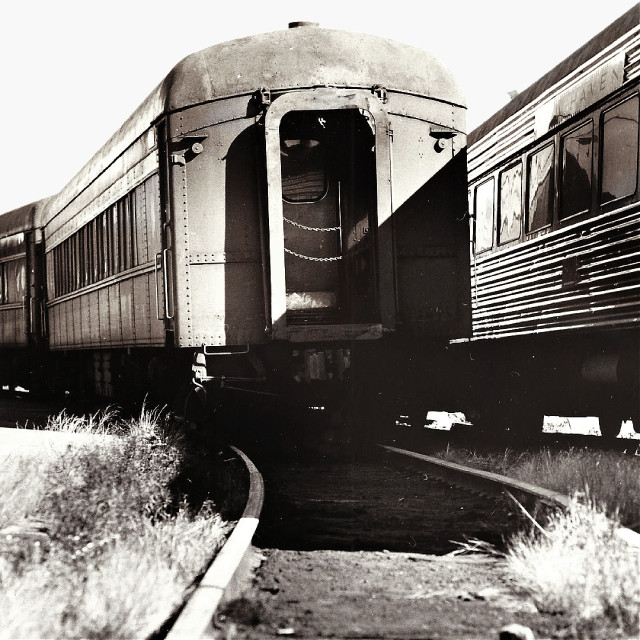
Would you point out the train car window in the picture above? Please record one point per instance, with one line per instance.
(540, 188)
(304, 177)
(75, 272)
(60, 272)
(3, 283)
(19, 277)
(114, 249)
(510, 211)
(61, 269)
(577, 171)
(104, 236)
(122, 210)
(95, 252)
(133, 229)
(619, 155)
(66, 254)
(14, 273)
(82, 250)
(52, 272)
(302, 157)
(77, 238)
(484, 215)
(91, 251)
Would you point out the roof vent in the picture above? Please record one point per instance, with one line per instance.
(303, 23)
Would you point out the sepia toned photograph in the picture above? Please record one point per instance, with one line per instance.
(320, 320)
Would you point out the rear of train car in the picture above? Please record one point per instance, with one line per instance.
(284, 213)
(22, 312)
(553, 191)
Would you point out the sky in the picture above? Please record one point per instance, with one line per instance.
(71, 72)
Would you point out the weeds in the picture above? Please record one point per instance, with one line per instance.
(574, 563)
(612, 480)
(124, 542)
(577, 566)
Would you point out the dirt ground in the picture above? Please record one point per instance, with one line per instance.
(340, 594)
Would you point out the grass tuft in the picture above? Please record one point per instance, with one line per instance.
(580, 568)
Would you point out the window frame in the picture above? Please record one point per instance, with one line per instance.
(488, 179)
(601, 145)
(562, 136)
(498, 204)
(550, 143)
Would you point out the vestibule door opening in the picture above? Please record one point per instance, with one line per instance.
(328, 176)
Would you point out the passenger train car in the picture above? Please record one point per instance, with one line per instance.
(554, 200)
(282, 215)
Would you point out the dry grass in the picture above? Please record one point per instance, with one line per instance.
(125, 543)
(610, 479)
(579, 567)
(573, 563)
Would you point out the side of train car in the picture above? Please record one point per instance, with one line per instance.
(553, 192)
(277, 206)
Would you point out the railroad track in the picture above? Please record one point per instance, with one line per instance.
(353, 563)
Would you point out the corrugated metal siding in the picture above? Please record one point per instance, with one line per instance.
(521, 290)
(579, 276)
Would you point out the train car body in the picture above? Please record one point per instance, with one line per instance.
(553, 192)
(22, 313)
(275, 200)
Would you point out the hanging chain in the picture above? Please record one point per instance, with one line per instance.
(299, 255)
(302, 226)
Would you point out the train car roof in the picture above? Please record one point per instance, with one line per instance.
(607, 36)
(20, 220)
(307, 56)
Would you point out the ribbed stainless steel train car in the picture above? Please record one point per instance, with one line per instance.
(276, 203)
(553, 192)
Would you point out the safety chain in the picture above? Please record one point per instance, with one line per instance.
(301, 226)
(299, 255)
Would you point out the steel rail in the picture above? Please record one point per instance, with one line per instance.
(494, 482)
(222, 580)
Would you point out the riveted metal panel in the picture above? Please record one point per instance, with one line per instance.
(216, 213)
(143, 310)
(127, 311)
(93, 303)
(12, 319)
(114, 314)
(75, 322)
(85, 315)
(208, 308)
(105, 321)
(60, 320)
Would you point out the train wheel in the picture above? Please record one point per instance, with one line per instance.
(610, 423)
(195, 405)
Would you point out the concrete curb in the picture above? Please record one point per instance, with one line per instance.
(195, 620)
(451, 469)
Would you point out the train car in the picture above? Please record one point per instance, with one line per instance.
(276, 207)
(22, 313)
(555, 276)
